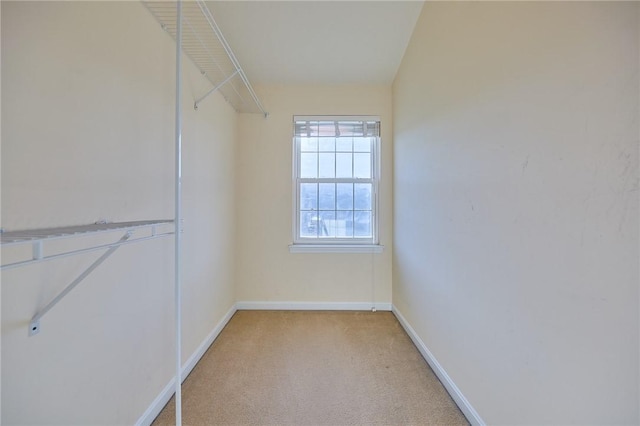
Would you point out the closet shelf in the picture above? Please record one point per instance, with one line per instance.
(37, 238)
(204, 43)
(31, 235)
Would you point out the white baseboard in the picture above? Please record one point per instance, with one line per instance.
(470, 413)
(313, 306)
(161, 400)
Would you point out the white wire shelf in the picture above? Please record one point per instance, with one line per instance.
(37, 238)
(31, 235)
(205, 45)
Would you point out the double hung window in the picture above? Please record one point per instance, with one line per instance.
(336, 180)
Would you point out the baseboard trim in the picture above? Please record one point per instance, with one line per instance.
(312, 306)
(161, 400)
(470, 413)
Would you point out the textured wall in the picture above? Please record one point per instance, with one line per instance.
(88, 122)
(516, 205)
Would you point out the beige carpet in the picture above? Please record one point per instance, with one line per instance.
(313, 368)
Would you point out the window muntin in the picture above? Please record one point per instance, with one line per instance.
(336, 179)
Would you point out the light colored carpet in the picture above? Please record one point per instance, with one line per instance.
(313, 368)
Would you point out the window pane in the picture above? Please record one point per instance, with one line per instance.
(309, 144)
(327, 164)
(327, 144)
(344, 144)
(362, 224)
(344, 224)
(327, 224)
(362, 144)
(308, 196)
(345, 196)
(308, 165)
(327, 196)
(362, 165)
(362, 196)
(343, 165)
(308, 224)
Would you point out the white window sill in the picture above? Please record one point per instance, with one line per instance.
(335, 248)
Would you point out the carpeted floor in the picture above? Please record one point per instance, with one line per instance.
(313, 368)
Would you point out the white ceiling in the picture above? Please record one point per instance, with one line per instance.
(317, 42)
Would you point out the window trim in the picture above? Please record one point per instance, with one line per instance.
(336, 248)
(335, 245)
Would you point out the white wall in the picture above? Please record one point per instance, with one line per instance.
(516, 205)
(266, 271)
(87, 114)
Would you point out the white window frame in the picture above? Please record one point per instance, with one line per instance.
(335, 245)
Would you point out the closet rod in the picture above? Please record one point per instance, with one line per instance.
(42, 258)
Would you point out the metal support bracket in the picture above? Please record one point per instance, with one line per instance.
(225, 81)
(34, 325)
(37, 250)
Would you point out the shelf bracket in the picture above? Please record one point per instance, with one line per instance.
(34, 325)
(37, 250)
(225, 81)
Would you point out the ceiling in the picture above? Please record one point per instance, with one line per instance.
(317, 42)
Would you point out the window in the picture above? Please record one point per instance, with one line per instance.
(336, 180)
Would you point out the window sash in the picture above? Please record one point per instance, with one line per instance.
(373, 239)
